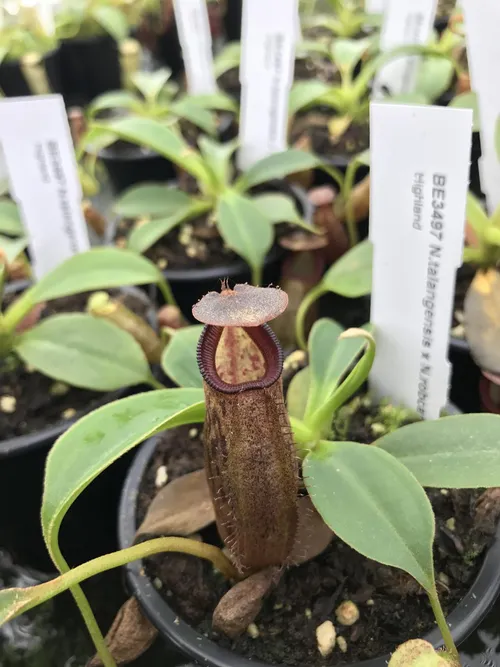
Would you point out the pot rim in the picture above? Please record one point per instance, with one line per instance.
(464, 618)
(22, 444)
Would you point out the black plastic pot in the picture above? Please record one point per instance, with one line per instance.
(22, 463)
(89, 66)
(232, 20)
(129, 165)
(462, 620)
(13, 83)
(189, 285)
(465, 376)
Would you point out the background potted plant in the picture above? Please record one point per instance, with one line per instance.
(29, 55)
(191, 224)
(155, 96)
(362, 508)
(91, 32)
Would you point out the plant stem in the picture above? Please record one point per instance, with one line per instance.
(257, 275)
(85, 610)
(32, 597)
(300, 319)
(166, 291)
(442, 624)
(155, 383)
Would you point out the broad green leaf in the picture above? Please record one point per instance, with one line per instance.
(351, 275)
(346, 53)
(327, 362)
(373, 503)
(298, 391)
(434, 77)
(468, 101)
(150, 199)
(314, 47)
(227, 59)
(98, 268)
(179, 360)
(217, 157)
(459, 452)
(277, 207)
(476, 215)
(163, 140)
(199, 116)
(150, 84)
(244, 229)
(10, 220)
(112, 19)
(218, 101)
(84, 351)
(306, 93)
(276, 166)
(91, 445)
(144, 236)
(12, 248)
(117, 99)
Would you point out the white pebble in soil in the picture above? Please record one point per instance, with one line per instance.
(326, 636)
(8, 404)
(161, 477)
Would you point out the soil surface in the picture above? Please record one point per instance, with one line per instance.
(445, 8)
(40, 401)
(393, 608)
(313, 124)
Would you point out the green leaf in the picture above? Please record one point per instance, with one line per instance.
(117, 99)
(346, 53)
(306, 93)
(144, 236)
(468, 101)
(314, 47)
(434, 77)
(202, 118)
(179, 360)
(351, 275)
(298, 391)
(218, 101)
(150, 84)
(276, 166)
(12, 248)
(10, 219)
(98, 268)
(91, 445)
(161, 139)
(217, 157)
(244, 229)
(112, 19)
(277, 207)
(227, 59)
(84, 351)
(476, 215)
(374, 504)
(150, 199)
(327, 362)
(458, 452)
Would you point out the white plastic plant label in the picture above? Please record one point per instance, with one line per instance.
(419, 171)
(38, 152)
(269, 38)
(405, 22)
(375, 6)
(193, 26)
(483, 48)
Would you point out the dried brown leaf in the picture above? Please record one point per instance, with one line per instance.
(181, 508)
(240, 605)
(313, 535)
(482, 319)
(130, 635)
